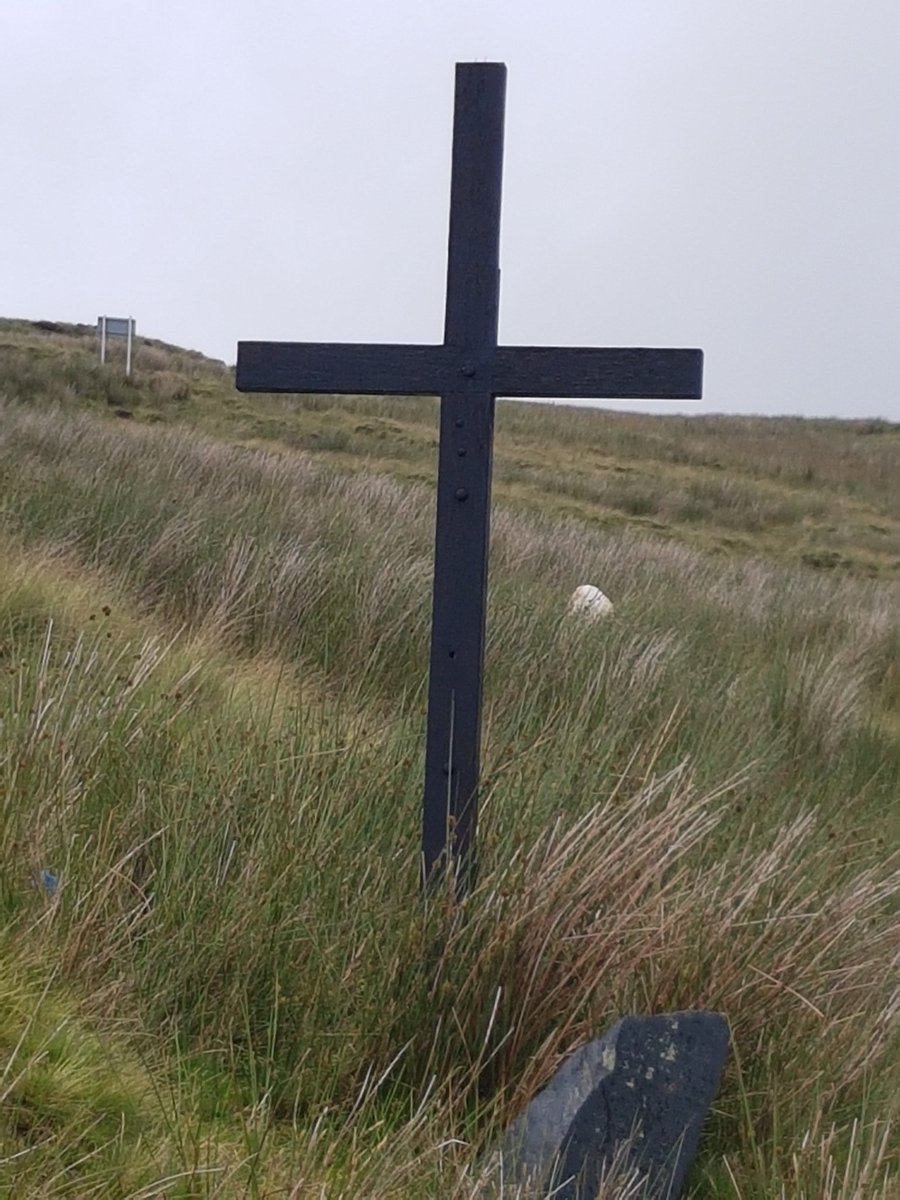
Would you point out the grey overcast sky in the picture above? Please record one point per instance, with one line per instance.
(713, 173)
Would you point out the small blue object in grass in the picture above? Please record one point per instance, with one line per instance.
(48, 881)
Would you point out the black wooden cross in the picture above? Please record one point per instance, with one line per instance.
(468, 372)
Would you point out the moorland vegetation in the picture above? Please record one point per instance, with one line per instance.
(217, 978)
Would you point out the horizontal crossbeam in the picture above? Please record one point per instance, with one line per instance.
(401, 370)
(585, 374)
(339, 367)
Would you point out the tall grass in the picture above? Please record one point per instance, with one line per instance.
(816, 491)
(212, 701)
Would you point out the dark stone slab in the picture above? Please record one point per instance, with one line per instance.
(639, 1094)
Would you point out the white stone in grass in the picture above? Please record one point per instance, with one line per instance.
(588, 601)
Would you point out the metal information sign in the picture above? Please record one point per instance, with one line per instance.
(108, 327)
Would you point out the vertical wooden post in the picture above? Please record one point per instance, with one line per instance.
(453, 738)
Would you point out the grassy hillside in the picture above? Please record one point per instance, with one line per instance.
(217, 976)
(820, 492)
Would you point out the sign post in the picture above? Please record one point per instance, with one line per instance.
(468, 371)
(109, 327)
